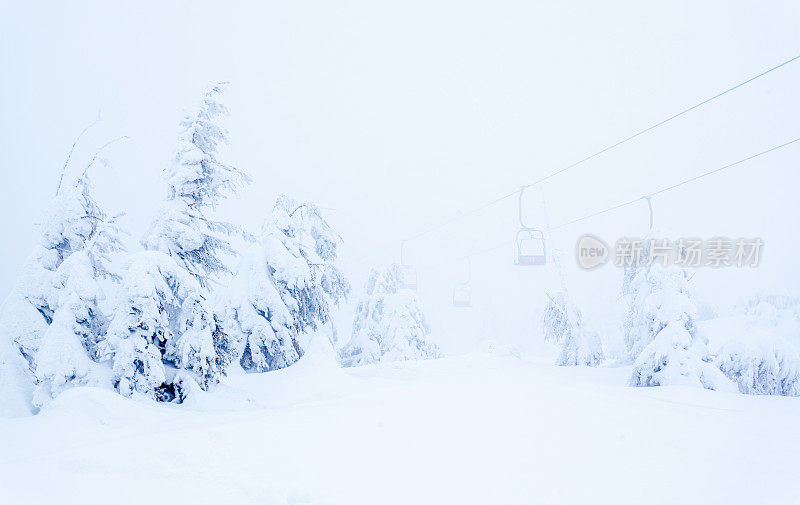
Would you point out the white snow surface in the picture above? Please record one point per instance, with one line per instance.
(487, 427)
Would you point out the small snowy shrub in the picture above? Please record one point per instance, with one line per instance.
(706, 310)
(762, 369)
(765, 359)
(781, 303)
(389, 324)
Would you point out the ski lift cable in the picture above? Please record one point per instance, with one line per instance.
(606, 149)
(677, 185)
(635, 200)
(633, 136)
(664, 121)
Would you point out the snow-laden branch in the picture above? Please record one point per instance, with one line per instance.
(72, 149)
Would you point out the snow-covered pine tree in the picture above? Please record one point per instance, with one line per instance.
(284, 286)
(82, 238)
(563, 323)
(183, 230)
(659, 327)
(52, 318)
(556, 322)
(389, 324)
(162, 333)
(197, 181)
(655, 295)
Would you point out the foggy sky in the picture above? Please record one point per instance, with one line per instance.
(395, 116)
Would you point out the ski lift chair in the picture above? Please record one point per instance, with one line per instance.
(462, 296)
(409, 278)
(531, 250)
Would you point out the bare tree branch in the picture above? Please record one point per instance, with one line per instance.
(97, 153)
(72, 149)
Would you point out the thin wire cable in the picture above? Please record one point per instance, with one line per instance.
(587, 158)
(669, 188)
(667, 120)
(461, 216)
(471, 255)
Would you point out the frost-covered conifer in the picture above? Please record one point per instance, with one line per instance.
(184, 230)
(389, 324)
(659, 328)
(82, 238)
(197, 181)
(656, 295)
(765, 359)
(556, 323)
(52, 317)
(675, 357)
(284, 286)
(163, 334)
(563, 323)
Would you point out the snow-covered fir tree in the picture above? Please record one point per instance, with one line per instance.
(184, 231)
(659, 328)
(563, 323)
(284, 286)
(197, 181)
(74, 345)
(389, 324)
(62, 285)
(765, 358)
(556, 323)
(163, 334)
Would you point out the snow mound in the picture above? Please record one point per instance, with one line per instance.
(493, 348)
(316, 376)
(96, 404)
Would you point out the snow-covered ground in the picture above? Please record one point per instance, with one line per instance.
(486, 428)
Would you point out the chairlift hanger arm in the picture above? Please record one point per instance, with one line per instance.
(649, 206)
(521, 193)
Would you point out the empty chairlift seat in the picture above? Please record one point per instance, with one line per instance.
(462, 296)
(408, 278)
(531, 249)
